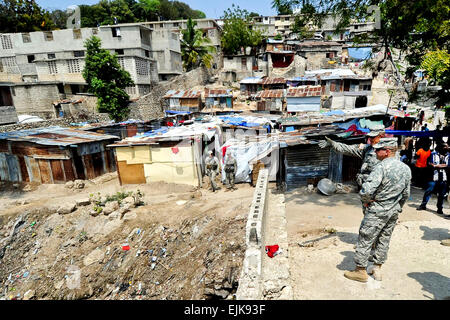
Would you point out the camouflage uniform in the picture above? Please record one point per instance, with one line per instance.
(212, 169)
(388, 186)
(367, 154)
(230, 170)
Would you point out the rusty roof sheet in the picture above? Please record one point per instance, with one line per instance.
(276, 93)
(216, 93)
(267, 81)
(55, 136)
(304, 91)
(187, 94)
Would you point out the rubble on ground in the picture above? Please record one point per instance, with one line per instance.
(64, 252)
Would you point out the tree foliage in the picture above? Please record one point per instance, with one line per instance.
(59, 18)
(125, 11)
(238, 31)
(195, 50)
(23, 16)
(106, 80)
(282, 6)
(413, 26)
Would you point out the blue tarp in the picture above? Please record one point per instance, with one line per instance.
(360, 53)
(155, 132)
(178, 112)
(334, 113)
(238, 121)
(289, 129)
(418, 133)
(348, 124)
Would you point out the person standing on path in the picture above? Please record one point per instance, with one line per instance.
(421, 169)
(212, 169)
(384, 194)
(230, 170)
(365, 152)
(439, 161)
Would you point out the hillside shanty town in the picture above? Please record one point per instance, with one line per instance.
(155, 150)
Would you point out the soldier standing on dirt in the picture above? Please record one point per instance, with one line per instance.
(384, 193)
(212, 169)
(230, 170)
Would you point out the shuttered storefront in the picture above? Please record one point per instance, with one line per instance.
(305, 164)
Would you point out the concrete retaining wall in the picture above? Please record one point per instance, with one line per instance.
(250, 282)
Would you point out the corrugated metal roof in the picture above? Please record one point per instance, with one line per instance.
(190, 94)
(277, 93)
(267, 81)
(304, 91)
(251, 80)
(217, 93)
(55, 136)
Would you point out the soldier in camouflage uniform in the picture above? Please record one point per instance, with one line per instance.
(384, 193)
(365, 152)
(230, 170)
(212, 169)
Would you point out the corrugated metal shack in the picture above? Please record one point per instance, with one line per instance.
(303, 162)
(54, 155)
(222, 98)
(273, 83)
(250, 85)
(123, 129)
(173, 155)
(270, 100)
(183, 100)
(303, 99)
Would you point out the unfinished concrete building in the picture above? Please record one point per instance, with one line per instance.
(50, 63)
(209, 27)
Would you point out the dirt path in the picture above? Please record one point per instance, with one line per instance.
(417, 265)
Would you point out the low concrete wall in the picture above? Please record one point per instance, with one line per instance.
(250, 282)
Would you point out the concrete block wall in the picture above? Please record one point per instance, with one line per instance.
(149, 106)
(250, 282)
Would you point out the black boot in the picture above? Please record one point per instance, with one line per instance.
(421, 207)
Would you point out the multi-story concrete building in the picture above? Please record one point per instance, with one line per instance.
(43, 67)
(209, 27)
(283, 25)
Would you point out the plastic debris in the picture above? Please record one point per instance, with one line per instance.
(153, 266)
(26, 274)
(154, 259)
(125, 247)
(272, 251)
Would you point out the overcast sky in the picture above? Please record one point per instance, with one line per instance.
(212, 8)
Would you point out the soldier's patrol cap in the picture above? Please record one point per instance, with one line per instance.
(386, 143)
(375, 133)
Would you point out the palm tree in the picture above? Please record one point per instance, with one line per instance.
(195, 50)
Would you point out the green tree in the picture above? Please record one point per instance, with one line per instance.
(437, 65)
(282, 6)
(59, 18)
(238, 31)
(195, 50)
(104, 12)
(147, 10)
(23, 16)
(106, 80)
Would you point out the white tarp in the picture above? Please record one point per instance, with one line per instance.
(245, 153)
